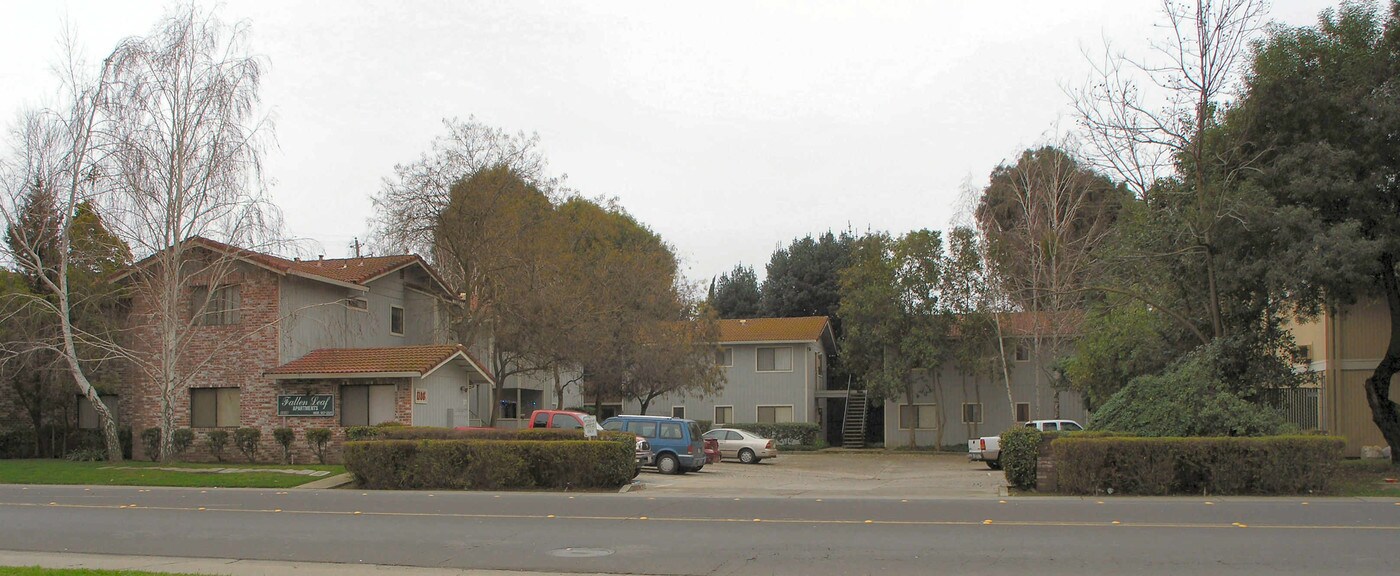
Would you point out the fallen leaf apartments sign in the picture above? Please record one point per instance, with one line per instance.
(305, 405)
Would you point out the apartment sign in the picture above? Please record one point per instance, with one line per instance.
(305, 405)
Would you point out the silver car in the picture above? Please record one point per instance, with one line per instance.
(748, 447)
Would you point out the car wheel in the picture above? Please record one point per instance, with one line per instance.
(747, 456)
(697, 468)
(994, 464)
(668, 464)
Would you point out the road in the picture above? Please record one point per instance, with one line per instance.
(664, 534)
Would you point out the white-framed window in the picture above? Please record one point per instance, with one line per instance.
(219, 308)
(367, 405)
(396, 320)
(87, 416)
(678, 411)
(919, 416)
(214, 407)
(775, 359)
(1023, 411)
(723, 415)
(724, 357)
(773, 414)
(1023, 352)
(972, 413)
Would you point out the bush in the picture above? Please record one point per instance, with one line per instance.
(318, 438)
(18, 443)
(284, 438)
(180, 441)
(539, 434)
(150, 440)
(786, 433)
(87, 455)
(1190, 398)
(355, 433)
(1019, 449)
(705, 425)
(246, 440)
(217, 440)
(489, 464)
(1202, 465)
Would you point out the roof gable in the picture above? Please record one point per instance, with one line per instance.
(397, 361)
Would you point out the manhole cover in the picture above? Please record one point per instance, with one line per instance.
(580, 552)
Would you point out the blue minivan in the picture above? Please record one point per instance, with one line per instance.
(677, 445)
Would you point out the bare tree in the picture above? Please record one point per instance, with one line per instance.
(1195, 71)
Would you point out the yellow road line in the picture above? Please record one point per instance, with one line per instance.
(472, 516)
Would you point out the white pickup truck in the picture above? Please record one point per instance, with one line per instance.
(988, 448)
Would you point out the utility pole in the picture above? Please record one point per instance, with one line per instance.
(357, 247)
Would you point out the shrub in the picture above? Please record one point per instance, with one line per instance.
(355, 433)
(124, 439)
(1019, 449)
(785, 433)
(180, 441)
(1201, 465)
(489, 464)
(284, 438)
(18, 443)
(217, 440)
(246, 440)
(318, 438)
(705, 425)
(150, 440)
(87, 455)
(540, 434)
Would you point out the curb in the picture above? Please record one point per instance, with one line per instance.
(332, 482)
(631, 487)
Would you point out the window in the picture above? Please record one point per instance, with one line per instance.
(1305, 353)
(566, 421)
(396, 320)
(1050, 427)
(1023, 354)
(724, 415)
(217, 309)
(643, 429)
(615, 426)
(87, 416)
(367, 405)
(671, 431)
(1023, 412)
(775, 359)
(1070, 427)
(610, 410)
(920, 416)
(774, 414)
(214, 407)
(972, 413)
(541, 420)
(357, 303)
(678, 411)
(724, 357)
(732, 435)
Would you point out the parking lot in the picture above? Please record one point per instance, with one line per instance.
(834, 474)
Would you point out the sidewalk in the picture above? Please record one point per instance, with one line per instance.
(232, 567)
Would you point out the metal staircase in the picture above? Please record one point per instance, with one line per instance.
(853, 425)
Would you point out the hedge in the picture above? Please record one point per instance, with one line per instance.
(1198, 465)
(436, 433)
(1019, 449)
(57, 441)
(785, 433)
(489, 464)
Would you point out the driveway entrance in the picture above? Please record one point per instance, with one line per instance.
(836, 474)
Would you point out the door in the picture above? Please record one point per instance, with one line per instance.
(730, 444)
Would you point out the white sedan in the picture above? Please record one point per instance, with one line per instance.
(748, 447)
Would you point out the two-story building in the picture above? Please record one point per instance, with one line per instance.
(327, 343)
(1342, 347)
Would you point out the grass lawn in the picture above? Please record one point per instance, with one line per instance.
(52, 471)
(1367, 478)
(11, 571)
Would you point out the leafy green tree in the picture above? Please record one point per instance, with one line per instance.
(1323, 103)
(735, 294)
(804, 278)
(896, 331)
(1120, 341)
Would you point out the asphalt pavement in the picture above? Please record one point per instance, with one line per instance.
(638, 533)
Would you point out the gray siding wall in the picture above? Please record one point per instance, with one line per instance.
(957, 388)
(746, 388)
(314, 316)
(447, 404)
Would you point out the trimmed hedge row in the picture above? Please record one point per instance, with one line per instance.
(1201, 465)
(785, 433)
(438, 433)
(1021, 447)
(489, 464)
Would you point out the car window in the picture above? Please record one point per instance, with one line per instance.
(643, 429)
(614, 425)
(566, 421)
(694, 430)
(1071, 426)
(734, 436)
(1030, 424)
(1052, 426)
(671, 431)
(715, 434)
(541, 420)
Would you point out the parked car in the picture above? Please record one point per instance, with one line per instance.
(676, 443)
(712, 455)
(988, 448)
(572, 419)
(748, 447)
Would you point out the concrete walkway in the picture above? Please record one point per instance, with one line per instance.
(231, 566)
(333, 482)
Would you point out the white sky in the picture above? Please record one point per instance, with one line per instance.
(729, 128)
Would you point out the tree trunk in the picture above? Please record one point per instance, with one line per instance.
(558, 390)
(1384, 411)
(909, 400)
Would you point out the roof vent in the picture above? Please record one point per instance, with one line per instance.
(743, 321)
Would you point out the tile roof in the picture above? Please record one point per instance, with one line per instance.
(419, 360)
(805, 329)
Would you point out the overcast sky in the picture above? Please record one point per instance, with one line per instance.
(729, 128)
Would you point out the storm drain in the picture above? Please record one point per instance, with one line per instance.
(580, 552)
